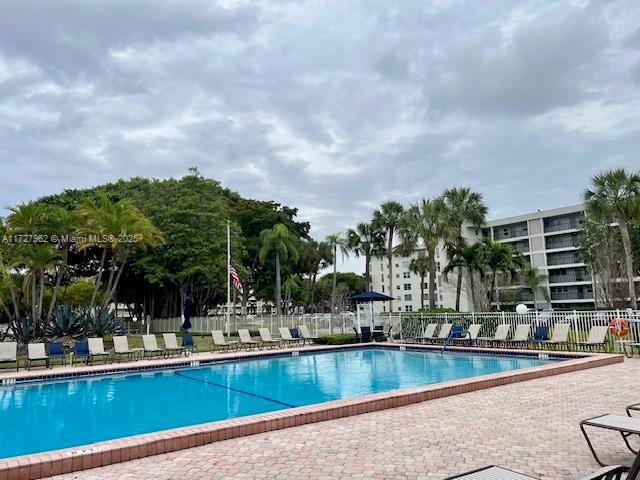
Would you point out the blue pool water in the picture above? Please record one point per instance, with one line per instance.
(53, 415)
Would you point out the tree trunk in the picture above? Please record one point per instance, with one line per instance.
(367, 270)
(278, 286)
(112, 292)
(390, 265)
(473, 290)
(98, 280)
(458, 289)
(422, 292)
(628, 260)
(432, 286)
(334, 280)
(54, 296)
(535, 300)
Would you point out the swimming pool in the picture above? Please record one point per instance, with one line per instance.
(53, 415)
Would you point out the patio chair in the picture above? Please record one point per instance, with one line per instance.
(443, 334)
(219, 341)
(96, 349)
(285, 335)
(428, 333)
(267, 339)
(469, 336)
(559, 336)
(9, 353)
(245, 339)
(597, 338)
(80, 351)
(379, 335)
(626, 426)
(499, 338)
(35, 353)
(56, 352)
(188, 344)
(171, 344)
(520, 336)
(150, 345)
(614, 472)
(121, 347)
(364, 335)
(541, 334)
(306, 334)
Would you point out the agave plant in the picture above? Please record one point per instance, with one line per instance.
(102, 322)
(23, 330)
(66, 321)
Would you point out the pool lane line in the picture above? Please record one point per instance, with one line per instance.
(269, 399)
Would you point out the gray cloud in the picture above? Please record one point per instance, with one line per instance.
(332, 107)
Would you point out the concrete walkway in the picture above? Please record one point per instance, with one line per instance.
(530, 427)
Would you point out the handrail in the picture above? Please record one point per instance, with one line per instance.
(463, 334)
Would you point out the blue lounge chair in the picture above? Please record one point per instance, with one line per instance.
(81, 350)
(364, 335)
(56, 352)
(541, 334)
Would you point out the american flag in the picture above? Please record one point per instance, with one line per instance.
(235, 279)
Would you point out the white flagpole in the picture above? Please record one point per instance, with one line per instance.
(228, 276)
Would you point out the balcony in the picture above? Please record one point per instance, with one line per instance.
(554, 243)
(515, 296)
(521, 246)
(572, 295)
(559, 224)
(507, 232)
(570, 277)
(564, 259)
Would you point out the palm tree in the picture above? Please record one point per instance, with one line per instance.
(426, 222)
(336, 241)
(284, 246)
(536, 281)
(367, 240)
(388, 218)
(500, 258)
(466, 257)
(616, 193)
(463, 205)
(316, 256)
(420, 266)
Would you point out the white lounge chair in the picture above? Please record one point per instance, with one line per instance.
(171, 344)
(37, 352)
(597, 338)
(150, 344)
(443, 334)
(306, 334)
(521, 335)
(285, 335)
(245, 338)
(499, 338)
(96, 349)
(559, 336)
(121, 347)
(266, 338)
(9, 353)
(219, 341)
(470, 336)
(428, 334)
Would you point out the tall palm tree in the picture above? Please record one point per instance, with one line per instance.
(420, 266)
(500, 258)
(463, 205)
(616, 193)
(366, 240)
(536, 281)
(388, 218)
(426, 222)
(316, 256)
(284, 246)
(336, 241)
(466, 257)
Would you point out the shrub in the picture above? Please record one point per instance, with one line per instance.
(103, 322)
(66, 322)
(337, 339)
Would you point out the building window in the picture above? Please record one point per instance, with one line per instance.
(397, 287)
(382, 277)
(407, 298)
(408, 308)
(406, 264)
(399, 309)
(382, 266)
(397, 275)
(407, 286)
(382, 288)
(397, 265)
(438, 266)
(398, 298)
(384, 308)
(406, 275)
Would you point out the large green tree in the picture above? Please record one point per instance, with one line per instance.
(366, 240)
(536, 281)
(280, 243)
(388, 218)
(470, 258)
(616, 194)
(336, 242)
(420, 266)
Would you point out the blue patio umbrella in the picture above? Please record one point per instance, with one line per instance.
(369, 297)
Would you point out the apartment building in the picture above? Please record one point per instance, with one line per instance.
(550, 241)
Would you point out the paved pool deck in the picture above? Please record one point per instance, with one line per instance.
(530, 427)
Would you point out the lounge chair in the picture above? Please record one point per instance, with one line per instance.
(285, 335)
(626, 426)
(171, 344)
(597, 338)
(96, 349)
(469, 336)
(521, 336)
(499, 338)
(80, 351)
(219, 341)
(615, 472)
(121, 347)
(150, 345)
(379, 335)
(306, 334)
(9, 353)
(541, 334)
(245, 339)
(364, 335)
(295, 334)
(35, 353)
(559, 336)
(443, 334)
(266, 338)
(56, 352)
(428, 333)
(188, 344)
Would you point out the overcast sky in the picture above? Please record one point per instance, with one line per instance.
(329, 106)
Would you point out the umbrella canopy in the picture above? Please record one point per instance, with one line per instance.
(370, 296)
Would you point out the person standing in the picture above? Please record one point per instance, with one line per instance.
(187, 311)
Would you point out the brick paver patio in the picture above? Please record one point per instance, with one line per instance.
(530, 427)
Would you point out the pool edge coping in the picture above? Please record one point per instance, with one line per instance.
(108, 452)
